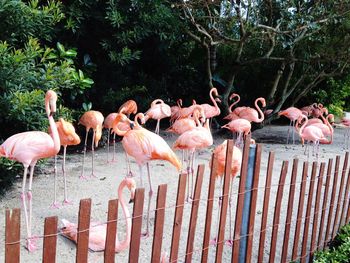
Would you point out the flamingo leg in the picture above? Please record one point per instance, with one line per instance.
(93, 155)
(113, 159)
(108, 136)
(150, 194)
(188, 198)
(128, 172)
(157, 127)
(31, 241)
(293, 131)
(65, 201)
(214, 240)
(82, 176)
(141, 171)
(55, 204)
(23, 199)
(192, 173)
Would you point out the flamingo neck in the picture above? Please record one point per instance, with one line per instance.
(116, 128)
(303, 126)
(262, 117)
(235, 102)
(157, 101)
(121, 245)
(53, 127)
(179, 103)
(214, 101)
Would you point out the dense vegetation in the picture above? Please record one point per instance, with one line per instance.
(339, 249)
(104, 52)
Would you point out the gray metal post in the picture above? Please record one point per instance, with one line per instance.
(246, 206)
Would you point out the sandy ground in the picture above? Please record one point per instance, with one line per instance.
(103, 188)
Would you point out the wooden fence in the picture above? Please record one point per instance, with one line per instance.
(320, 216)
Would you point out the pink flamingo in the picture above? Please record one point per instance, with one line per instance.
(175, 111)
(128, 107)
(91, 120)
(27, 148)
(307, 110)
(240, 126)
(159, 110)
(326, 128)
(220, 153)
(310, 133)
(251, 114)
(98, 231)
(233, 115)
(68, 136)
(293, 114)
(108, 124)
(346, 123)
(211, 111)
(192, 140)
(145, 146)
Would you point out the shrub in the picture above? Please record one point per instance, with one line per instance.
(339, 250)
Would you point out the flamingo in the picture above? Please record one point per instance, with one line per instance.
(293, 114)
(27, 148)
(98, 231)
(346, 123)
(128, 107)
(326, 128)
(310, 133)
(175, 111)
(192, 140)
(68, 136)
(241, 126)
(232, 115)
(158, 111)
(220, 153)
(108, 124)
(211, 111)
(145, 146)
(307, 110)
(251, 114)
(91, 120)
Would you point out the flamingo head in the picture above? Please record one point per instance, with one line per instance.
(51, 98)
(131, 185)
(331, 118)
(69, 131)
(218, 100)
(263, 101)
(234, 95)
(69, 229)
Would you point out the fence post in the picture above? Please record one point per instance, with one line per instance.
(246, 204)
(12, 251)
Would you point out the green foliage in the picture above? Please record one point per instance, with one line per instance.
(335, 95)
(339, 251)
(20, 20)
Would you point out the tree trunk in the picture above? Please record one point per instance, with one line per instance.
(273, 90)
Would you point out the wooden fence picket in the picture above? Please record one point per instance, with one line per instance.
(83, 231)
(112, 217)
(50, 240)
(12, 235)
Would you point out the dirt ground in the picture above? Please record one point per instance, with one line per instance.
(104, 188)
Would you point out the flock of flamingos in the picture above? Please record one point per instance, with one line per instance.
(190, 123)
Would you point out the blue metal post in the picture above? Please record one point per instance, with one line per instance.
(246, 206)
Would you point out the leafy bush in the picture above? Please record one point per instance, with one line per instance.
(339, 250)
(8, 172)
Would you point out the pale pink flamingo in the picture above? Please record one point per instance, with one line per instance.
(27, 148)
(159, 110)
(250, 114)
(68, 136)
(145, 146)
(326, 128)
(220, 153)
(310, 134)
(98, 231)
(293, 114)
(240, 126)
(91, 120)
(108, 124)
(211, 111)
(128, 107)
(192, 140)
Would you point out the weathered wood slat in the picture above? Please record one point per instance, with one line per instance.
(325, 203)
(209, 212)
(50, 239)
(112, 217)
(240, 201)
(159, 223)
(12, 235)
(317, 206)
(308, 213)
(194, 213)
(300, 212)
(253, 201)
(276, 217)
(180, 200)
(83, 231)
(340, 195)
(289, 211)
(331, 206)
(224, 204)
(134, 251)
(346, 201)
(266, 206)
